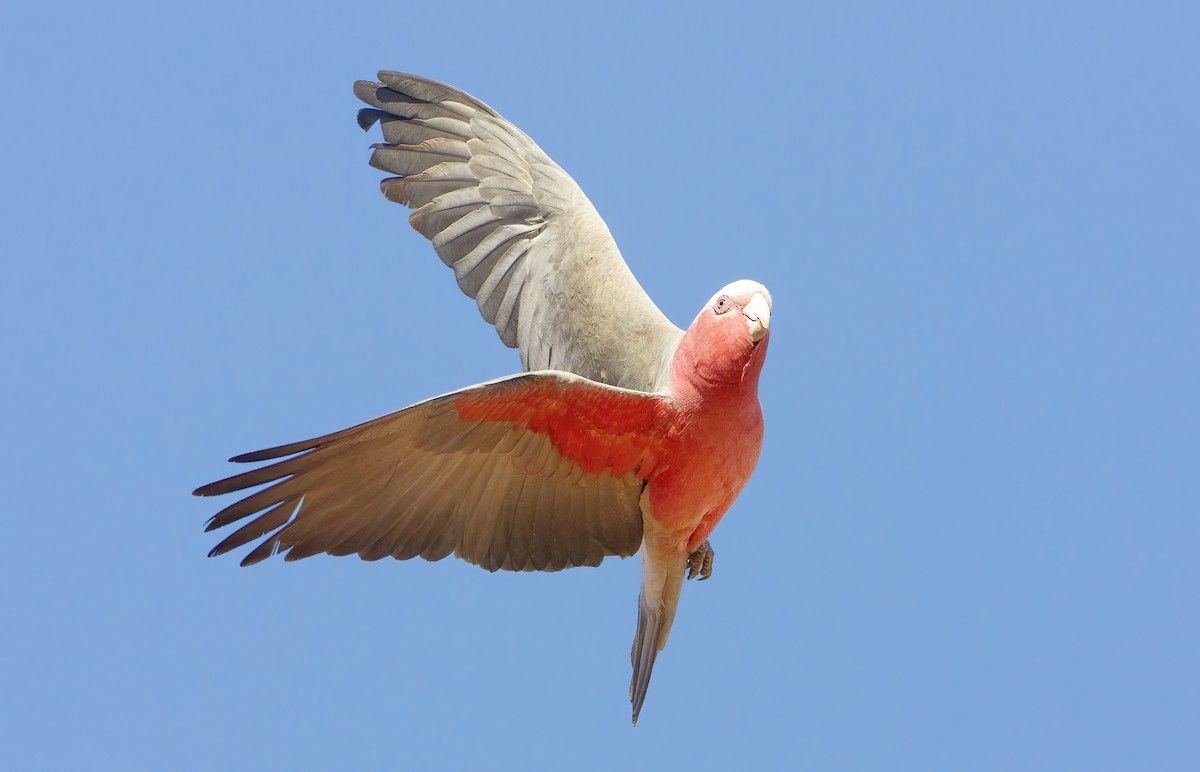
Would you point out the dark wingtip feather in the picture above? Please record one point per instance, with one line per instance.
(279, 451)
(261, 552)
(256, 528)
(252, 479)
(212, 489)
(368, 117)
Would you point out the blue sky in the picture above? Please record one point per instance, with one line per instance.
(971, 539)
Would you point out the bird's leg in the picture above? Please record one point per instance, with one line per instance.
(700, 562)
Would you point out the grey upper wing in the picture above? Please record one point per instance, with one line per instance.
(522, 238)
(426, 482)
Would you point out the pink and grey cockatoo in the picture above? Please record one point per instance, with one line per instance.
(625, 433)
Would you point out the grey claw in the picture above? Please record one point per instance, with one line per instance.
(701, 562)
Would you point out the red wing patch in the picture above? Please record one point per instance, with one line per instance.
(595, 426)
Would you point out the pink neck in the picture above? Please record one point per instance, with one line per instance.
(705, 371)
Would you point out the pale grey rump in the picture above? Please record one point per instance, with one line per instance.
(423, 482)
(522, 238)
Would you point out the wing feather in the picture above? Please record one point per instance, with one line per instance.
(493, 474)
(492, 202)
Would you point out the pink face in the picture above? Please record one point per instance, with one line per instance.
(728, 339)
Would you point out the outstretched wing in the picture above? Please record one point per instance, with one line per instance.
(523, 239)
(540, 471)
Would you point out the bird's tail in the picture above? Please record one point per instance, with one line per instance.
(662, 580)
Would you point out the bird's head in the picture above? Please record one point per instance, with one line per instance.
(727, 341)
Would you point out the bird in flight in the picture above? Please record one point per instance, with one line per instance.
(623, 434)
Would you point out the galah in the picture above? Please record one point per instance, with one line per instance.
(624, 433)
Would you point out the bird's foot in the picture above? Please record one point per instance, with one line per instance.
(700, 562)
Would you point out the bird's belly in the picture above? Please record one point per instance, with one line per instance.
(702, 468)
(687, 500)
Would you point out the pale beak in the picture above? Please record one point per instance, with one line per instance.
(758, 317)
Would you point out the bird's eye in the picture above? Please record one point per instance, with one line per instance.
(722, 305)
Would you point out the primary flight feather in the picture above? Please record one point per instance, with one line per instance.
(624, 434)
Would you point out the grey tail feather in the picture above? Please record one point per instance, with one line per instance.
(645, 650)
